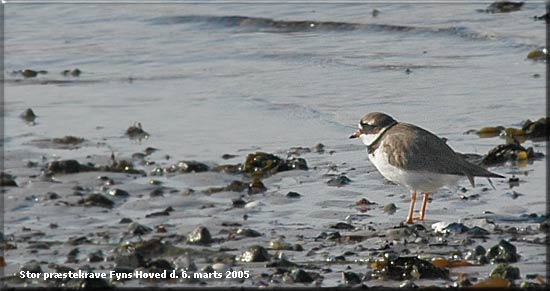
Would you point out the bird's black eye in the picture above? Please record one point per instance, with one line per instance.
(366, 127)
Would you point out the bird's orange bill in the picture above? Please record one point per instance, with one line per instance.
(356, 134)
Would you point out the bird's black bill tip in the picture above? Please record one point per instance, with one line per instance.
(356, 134)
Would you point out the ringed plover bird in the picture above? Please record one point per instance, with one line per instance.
(414, 158)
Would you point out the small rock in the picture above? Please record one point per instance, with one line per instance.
(293, 194)
(248, 232)
(96, 199)
(503, 6)
(32, 266)
(505, 271)
(28, 115)
(157, 192)
(136, 132)
(118, 193)
(125, 220)
(228, 156)
(66, 167)
(343, 225)
(390, 208)
(96, 256)
(192, 167)
(504, 252)
(200, 235)
(300, 276)
(7, 180)
(256, 186)
(254, 254)
(339, 181)
(139, 229)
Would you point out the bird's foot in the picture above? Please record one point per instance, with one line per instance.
(419, 218)
(409, 220)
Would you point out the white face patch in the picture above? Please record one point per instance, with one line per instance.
(368, 139)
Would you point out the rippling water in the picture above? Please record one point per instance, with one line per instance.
(204, 79)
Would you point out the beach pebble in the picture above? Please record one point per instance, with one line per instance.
(118, 193)
(256, 186)
(390, 208)
(254, 254)
(96, 199)
(503, 252)
(351, 278)
(96, 256)
(31, 266)
(136, 132)
(449, 227)
(300, 276)
(339, 181)
(7, 180)
(191, 167)
(200, 235)
(185, 263)
(342, 225)
(292, 194)
(247, 232)
(505, 271)
(139, 229)
(28, 115)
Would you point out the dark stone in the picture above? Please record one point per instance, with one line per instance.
(262, 164)
(7, 180)
(157, 192)
(139, 229)
(254, 254)
(228, 156)
(28, 115)
(350, 278)
(390, 208)
(505, 271)
(32, 266)
(157, 214)
(342, 225)
(67, 167)
(236, 186)
(504, 6)
(51, 196)
(78, 240)
(339, 181)
(200, 235)
(293, 194)
(96, 256)
(504, 252)
(96, 199)
(248, 232)
(136, 132)
(160, 264)
(125, 220)
(300, 276)
(28, 73)
(239, 202)
(118, 193)
(394, 267)
(256, 186)
(192, 167)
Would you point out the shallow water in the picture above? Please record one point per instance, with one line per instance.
(206, 80)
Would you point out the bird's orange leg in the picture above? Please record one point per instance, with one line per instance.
(411, 209)
(423, 209)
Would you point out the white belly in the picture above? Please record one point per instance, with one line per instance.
(417, 181)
